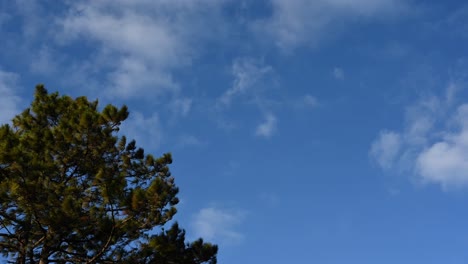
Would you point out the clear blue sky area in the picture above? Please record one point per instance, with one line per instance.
(302, 131)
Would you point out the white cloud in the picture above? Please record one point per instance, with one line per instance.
(451, 92)
(181, 106)
(433, 143)
(188, 140)
(142, 41)
(338, 73)
(454, 24)
(446, 161)
(421, 118)
(135, 78)
(267, 127)
(9, 101)
(247, 74)
(218, 225)
(250, 78)
(141, 47)
(310, 101)
(146, 131)
(304, 102)
(305, 22)
(368, 7)
(385, 148)
(34, 23)
(44, 62)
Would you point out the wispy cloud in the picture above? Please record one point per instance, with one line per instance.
(9, 101)
(250, 77)
(455, 24)
(31, 13)
(445, 161)
(433, 143)
(188, 140)
(44, 62)
(181, 106)
(218, 225)
(141, 42)
(247, 73)
(304, 22)
(310, 101)
(267, 127)
(146, 130)
(338, 73)
(304, 102)
(386, 148)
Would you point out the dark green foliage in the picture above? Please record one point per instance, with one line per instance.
(72, 191)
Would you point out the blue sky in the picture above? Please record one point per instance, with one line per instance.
(326, 131)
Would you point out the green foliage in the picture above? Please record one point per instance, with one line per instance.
(72, 191)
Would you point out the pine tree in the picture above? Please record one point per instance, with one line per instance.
(74, 191)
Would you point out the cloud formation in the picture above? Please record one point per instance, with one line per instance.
(338, 73)
(303, 22)
(9, 101)
(446, 160)
(267, 127)
(146, 130)
(247, 73)
(433, 144)
(385, 148)
(44, 62)
(188, 140)
(141, 42)
(218, 225)
(310, 101)
(250, 76)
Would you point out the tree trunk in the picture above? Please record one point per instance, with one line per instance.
(44, 256)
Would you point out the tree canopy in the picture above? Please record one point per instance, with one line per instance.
(72, 190)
